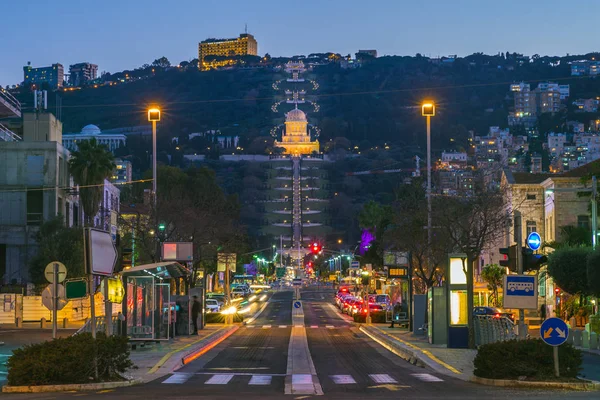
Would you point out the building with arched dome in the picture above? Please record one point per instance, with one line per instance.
(112, 140)
(296, 138)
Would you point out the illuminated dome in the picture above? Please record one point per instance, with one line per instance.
(296, 115)
(91, 130)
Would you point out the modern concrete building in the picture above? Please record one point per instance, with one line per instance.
(53, 75)
(246, 44)
(81, 73)
(123, 171)
(112, 140)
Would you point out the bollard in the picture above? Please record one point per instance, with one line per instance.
(585, 339)
(19, 322)
(65, 322)
(43, 323)
(577, 338)
(593, 341)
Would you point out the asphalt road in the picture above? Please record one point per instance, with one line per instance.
(252, 364)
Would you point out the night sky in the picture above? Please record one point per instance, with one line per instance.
(120, 35)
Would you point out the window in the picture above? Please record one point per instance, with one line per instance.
(531, 197)
(583, 221)
(35, 207)
(531, 227)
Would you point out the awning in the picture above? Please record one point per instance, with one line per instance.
(162, 270)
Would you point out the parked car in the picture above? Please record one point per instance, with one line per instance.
(493, 312)
(212, 305)
(350, 305)
(372, 308)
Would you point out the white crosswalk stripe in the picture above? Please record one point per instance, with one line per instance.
(219, 379)
(283, 326)
(266, 326)
(427, 377)
(260, 380)
(382, 378)
(342, 379)
(177, 378)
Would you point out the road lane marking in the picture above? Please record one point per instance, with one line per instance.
(178, 378)
(283, 326)
(382, 378)
(343, 379)
(260, 380)
(427, 377)
(236, 374)
(314, 326)
(222, 379)
(329, 326)
(266, 326)
(302, 379)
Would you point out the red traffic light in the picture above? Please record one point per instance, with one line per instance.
(316, 248)
(557, 290)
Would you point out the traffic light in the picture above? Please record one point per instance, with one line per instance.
(126, 259)
(162, 226)
(510, 257)
(315, 248)
(532, 262)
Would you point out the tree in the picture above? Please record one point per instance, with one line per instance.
(572, 236)
(162, 62)
(593, 272)
(493, 275)
(57, 243)
(471, 223)
(90, 165)
(568, 267)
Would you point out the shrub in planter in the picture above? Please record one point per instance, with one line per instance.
(530, 358)
(69, 360)
(376, 317)
(218, 318)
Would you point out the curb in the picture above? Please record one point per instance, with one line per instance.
(212, 341)
(411, 353)
(584, 386)
(71, 387)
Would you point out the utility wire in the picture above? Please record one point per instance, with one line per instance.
(28, 189)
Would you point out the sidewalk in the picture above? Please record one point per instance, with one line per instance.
(453, 362)
(37, 325)
(158, 359)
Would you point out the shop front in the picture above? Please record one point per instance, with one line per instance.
(149, 308)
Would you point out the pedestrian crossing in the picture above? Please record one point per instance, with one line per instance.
(296, 326)
(251, 379)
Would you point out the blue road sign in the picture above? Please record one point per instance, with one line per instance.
(534, 241)
(297, 304)
(520, 285)
(554, 331)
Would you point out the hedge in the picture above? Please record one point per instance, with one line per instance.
(532, 359)
(376, 317)
(69, 360)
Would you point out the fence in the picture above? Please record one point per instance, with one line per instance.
(31, 309)
(489, 329)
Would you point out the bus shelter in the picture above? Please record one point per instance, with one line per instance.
(147, 305)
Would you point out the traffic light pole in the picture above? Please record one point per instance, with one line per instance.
(519, 256)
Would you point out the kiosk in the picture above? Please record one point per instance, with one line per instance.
(458, 329)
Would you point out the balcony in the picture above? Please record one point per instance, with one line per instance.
(9, 106)
(6, 135)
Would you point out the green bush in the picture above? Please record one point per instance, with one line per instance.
(69, 360)
(376, 317)
(530, 358)
(218, 318)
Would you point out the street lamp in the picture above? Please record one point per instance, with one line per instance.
(428, 111)
(154, 117)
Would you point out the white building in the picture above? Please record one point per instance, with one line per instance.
(112, 140)
(556, 143)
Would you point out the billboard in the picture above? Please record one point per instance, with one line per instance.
(224, 260)
(177, 251)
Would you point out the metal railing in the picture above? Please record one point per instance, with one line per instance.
(9, 100)
(490, 329)
(100, 325)
(6, 135)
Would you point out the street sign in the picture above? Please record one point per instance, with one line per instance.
(76, 289)
(48, 297)
(297, 304)
(49, 272)
(554, 331)
(355, 264)
(520, 291)
(534, 241)
(116, 290)
(397, 272)
(102, 251)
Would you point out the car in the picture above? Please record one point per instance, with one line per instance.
(212, 306)
(346, 302)
(373, 307)
(493, 312)
(341, 299)
(238, 293)
(347, 309)
(381, 299)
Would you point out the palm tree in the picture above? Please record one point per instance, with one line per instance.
(89, 166)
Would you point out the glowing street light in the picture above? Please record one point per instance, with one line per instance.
(428, 111)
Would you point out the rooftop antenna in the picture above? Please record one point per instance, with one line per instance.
(246, 28)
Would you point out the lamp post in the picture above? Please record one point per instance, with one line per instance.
(428, 111)
(154, 117)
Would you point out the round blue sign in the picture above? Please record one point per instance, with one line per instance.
(297, 304)
(554, 331)
(534, 241)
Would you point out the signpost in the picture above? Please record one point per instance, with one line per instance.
(297, 304)
(55, 272)
(76, 289)
(520, 291)
(554, 331)
(534, 241)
